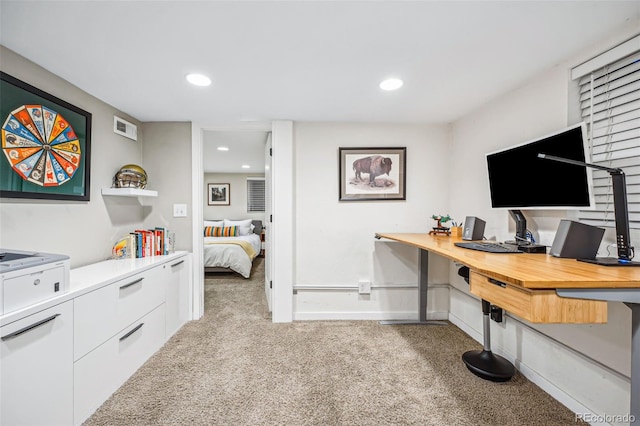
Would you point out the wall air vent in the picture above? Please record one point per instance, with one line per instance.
(124, 128)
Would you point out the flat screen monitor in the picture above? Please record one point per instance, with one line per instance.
(519, 179)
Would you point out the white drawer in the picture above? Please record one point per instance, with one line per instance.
(95, 315)
(139, 295)
(139, 341)
(36, 368)
(103, 370)
(102, 313)
(28, 289)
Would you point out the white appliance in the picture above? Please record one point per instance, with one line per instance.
(27, 278)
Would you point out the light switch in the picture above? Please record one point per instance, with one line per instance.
(179, 210)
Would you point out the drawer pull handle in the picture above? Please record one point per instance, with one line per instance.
(498, 283)
(29, 328)
(131, 283)
(177, 263)
(138, 327)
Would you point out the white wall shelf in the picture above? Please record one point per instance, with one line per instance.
(129, 192)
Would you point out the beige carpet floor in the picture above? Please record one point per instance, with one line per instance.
(235, 367)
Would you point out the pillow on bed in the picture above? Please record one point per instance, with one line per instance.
(244, 226)
(214, 223)
(220, 231)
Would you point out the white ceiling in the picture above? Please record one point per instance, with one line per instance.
(245, 148)
(303, 60)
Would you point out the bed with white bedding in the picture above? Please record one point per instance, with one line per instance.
(231, 253)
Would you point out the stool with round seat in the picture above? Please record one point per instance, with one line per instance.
(484, 363)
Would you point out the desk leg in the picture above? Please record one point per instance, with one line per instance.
(631, 298)
(423, 286)
(634, 407)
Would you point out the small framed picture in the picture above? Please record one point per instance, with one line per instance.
(219, 194)
(372, 174)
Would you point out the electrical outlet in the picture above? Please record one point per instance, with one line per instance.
(179, 210)
(496, 313)
(364, 287)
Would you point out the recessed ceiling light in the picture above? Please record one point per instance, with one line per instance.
(391, 84)
(246, 166)
(223, 148)
(198, 79)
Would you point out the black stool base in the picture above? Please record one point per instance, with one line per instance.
(488, 366)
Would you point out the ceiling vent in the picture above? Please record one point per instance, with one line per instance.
(124, 128)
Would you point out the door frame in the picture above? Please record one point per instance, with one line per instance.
(268, 187)
(282, 226)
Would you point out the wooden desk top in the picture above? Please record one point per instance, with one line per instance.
(533, 271)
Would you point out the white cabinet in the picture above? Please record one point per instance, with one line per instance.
(102, 313)
(36, 368)
(59, 363)
(178, 305)
(118, 326)
(103, 370)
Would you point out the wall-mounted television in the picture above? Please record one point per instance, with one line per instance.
(519, 179)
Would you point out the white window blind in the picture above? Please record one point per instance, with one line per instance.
(255, 194)
(610, 105)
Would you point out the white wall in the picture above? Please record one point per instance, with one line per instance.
(169, 142)
(85, 231)
(281, 228)
(334, 241)
(571, 353)
(238, 197)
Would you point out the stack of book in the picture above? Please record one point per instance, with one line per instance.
(143, 243)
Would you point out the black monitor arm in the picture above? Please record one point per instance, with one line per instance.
(521, 226)
(621, 210)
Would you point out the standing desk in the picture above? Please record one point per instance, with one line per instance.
(540, 288)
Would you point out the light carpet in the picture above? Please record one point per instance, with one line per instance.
(235, 367)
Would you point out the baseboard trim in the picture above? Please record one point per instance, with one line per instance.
(367, 316)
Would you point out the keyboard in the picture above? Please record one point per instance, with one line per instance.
(489, 247)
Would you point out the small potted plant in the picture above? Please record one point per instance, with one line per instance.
(439, 228)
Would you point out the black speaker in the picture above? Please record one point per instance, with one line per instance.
(576, 240)
(473, 228)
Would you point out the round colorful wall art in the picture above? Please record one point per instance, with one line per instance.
(40, 145)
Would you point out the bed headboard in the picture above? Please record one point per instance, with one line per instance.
(258, 226)
(256, 223)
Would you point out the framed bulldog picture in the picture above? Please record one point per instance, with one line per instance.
(372, 174)
(46, 144)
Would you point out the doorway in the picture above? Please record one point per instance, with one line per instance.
(234, 160)
(280, 224)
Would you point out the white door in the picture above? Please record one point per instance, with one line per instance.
(268, 177)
